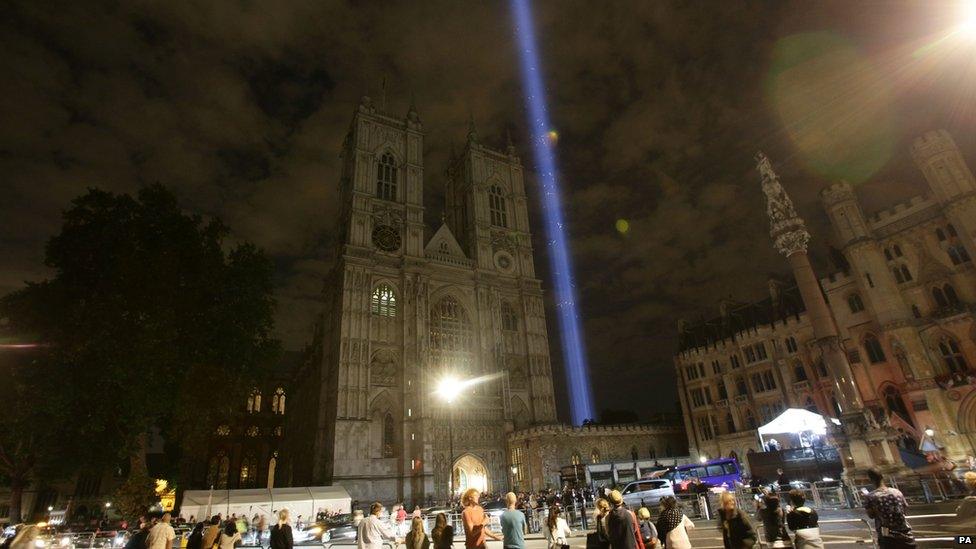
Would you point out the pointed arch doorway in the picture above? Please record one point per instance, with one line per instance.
(470, 471)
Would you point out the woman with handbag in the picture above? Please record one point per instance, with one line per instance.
(557, 531)
(737, 530)
(673, 525)
(802, 520)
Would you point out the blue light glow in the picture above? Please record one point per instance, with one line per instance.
(574, 352)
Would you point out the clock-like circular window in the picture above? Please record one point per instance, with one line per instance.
(386, 238)
(504, 262)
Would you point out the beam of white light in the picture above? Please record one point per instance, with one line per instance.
(543, 142)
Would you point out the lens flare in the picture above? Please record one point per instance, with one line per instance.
(623, 226)
(574, 353)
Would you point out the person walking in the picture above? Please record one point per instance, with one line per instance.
(138, 540)
(162, 535)
(673, 525)
(443, 533)
(372, 531)
(774, 521)
(195, 540)
(230, 537)
(623, 531)
(513, 524)
(557, 530)
(600, 537)
(281, 534)
(416, 538)
(211, 535)
(737, 530)
(803, 522)
(887, 506)
(475, 521)
(648, 531)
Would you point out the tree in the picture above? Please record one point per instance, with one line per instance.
(152, 320)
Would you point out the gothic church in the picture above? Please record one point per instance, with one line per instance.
(404, 309)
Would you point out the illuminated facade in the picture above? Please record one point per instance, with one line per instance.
(903, 305)
(404, 308)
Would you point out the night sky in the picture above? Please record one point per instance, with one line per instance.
(240, 107)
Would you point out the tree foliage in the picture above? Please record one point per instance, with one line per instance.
(152, 319)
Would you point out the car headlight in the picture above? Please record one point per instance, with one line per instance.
(315, 531)
(39, 543)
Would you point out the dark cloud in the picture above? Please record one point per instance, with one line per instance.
(241, 108)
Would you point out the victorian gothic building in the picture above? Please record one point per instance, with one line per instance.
(887, 345)
(405, 309)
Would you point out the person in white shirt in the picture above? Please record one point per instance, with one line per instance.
(372, 531)
(557, 530)
(162, 535)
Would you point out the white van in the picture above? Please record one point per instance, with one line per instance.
(646, 492)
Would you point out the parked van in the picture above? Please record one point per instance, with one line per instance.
(646, 492)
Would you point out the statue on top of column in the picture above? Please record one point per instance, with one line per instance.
(785, 226)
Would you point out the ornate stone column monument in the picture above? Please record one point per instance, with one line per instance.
(790, 237)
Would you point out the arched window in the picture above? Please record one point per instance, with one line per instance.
(750, 419)
(952, 356)
(821, 368)
(954, 256)
(386, 178)
(253, 431)
(254, 401)
(905, 273)
(389, 435)
(450, 335)
(509, 319)
(741, 388)
(898, 277)
(278, 401)
(633, 453)
(940, 235)
(951, 230)
(249, 471)
(213, 468)
(799, 372)
(576, 460)
(897, 250)
(836, 405)
(383, 301)
(950, 294)
(496, 206)
(272, 466)
(916, 312)
(887, 253)
(896, 404)
(223, 430)
(223, 471)
(854, 303)
(595, 456)
(729, 423)
(940, 297)
(873, 348)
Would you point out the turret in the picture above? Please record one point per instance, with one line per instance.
(936, 154)
(845, 213)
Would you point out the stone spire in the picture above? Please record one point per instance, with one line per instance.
(472, 131)
(412, 114)
(785, 226)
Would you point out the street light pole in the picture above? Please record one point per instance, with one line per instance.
(450, 436)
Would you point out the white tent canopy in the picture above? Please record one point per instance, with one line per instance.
(305, 501)
(796, 420)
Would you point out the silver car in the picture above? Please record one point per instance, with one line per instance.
(646, 492)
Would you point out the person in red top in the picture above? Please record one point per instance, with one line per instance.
(475, 521)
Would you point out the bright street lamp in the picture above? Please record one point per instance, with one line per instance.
(929, 432)
(108, 504)
(448, 389)
(703, 458)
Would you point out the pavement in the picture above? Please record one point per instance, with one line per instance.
(848, 528)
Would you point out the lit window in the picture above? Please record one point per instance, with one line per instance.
(249, 471)
(496, 206)
(383, 302)
(386, 178)
(595, 456)
(254, 401)
(278, 401)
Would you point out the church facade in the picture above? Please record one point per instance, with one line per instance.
(903, 304)
(405, 309)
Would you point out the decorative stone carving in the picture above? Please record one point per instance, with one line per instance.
(785, 227)
(501, 240)
(383, 368)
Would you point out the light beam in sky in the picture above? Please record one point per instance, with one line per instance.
(544, 140)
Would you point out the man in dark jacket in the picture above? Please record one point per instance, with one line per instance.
(621, 525)
(139, 539)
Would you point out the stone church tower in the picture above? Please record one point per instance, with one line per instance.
(405, 309)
